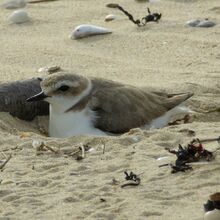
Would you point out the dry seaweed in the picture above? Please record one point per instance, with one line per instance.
(193, 152)
(151, 17)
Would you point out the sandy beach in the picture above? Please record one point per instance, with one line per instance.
(166, 56)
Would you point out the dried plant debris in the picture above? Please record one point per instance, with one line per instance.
(213, 202)
(7, 158)
(133, 179)
(77, 151)
(40, 1)
(151, 17)
(193, 152)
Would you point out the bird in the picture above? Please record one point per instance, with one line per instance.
(212, 207)
(80, 105)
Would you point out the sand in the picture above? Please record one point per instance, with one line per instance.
(166, 56)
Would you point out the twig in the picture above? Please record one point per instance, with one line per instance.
(82, 156)
(103, 149)
(6, 161)
(210, 139)
(51, 149)
(39, 1)
(155, 17)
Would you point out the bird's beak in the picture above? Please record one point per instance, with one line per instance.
(38, 97)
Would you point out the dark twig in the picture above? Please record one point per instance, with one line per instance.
(131, 177)
(155, 17)
(5, 162)
(39, 1)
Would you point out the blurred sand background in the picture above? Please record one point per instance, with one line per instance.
(166, 56)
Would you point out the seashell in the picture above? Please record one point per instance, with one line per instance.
(86, 30)
(110, 17)
(206, 23)
(193, 23)
(200, 23)
(49, 70)
(13, 4)
(212, 215)
(19, 16)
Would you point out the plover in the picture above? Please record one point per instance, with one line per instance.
(92, 106)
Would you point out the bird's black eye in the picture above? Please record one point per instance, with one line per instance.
(63, 88)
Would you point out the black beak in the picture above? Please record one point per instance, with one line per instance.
(38, 97)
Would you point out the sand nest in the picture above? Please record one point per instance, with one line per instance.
(40, 183)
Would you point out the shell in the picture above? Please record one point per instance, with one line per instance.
(19, 16)
(13, 4)
(212, 215)
(86, 30)
(200, 23)
(49, 69)
(110, 17)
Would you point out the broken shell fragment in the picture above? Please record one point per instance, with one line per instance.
(110, 17)
(37, 144)
(49, 70)
(19, 16)
(86, 30)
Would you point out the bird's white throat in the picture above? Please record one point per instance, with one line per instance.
(65, 123)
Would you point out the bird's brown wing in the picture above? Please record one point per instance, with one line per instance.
(125, 107)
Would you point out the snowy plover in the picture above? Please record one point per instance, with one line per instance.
(94, 106)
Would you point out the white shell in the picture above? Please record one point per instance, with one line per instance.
(212, 215)
(110, 17)
(200, 23)
(86, 30)
(19, 16)
(13, 4)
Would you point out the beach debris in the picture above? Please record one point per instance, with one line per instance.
(86, 30)
(49, 69)
(151, 17)
(14, 4)
(19, 16)
(212, 207)
(7, 158)
(194, 152)
(133, 179)
(40, 1)
(102, 200)
(79, 153)
(110, 17)
(200, 23)
(40, 146)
